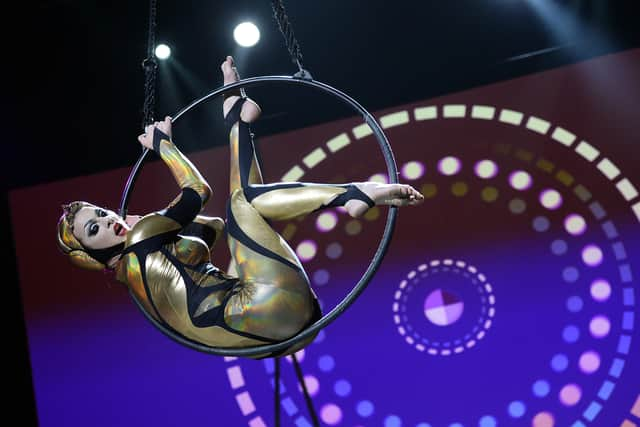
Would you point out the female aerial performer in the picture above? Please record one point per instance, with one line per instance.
(164, 256)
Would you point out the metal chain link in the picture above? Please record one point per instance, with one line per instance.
(290, 40)
(150, 66)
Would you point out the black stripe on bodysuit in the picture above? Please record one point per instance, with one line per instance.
(245, 142)
(237, 233)
(246, 155)
(195, 294)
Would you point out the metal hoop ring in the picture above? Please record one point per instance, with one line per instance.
(375, 261)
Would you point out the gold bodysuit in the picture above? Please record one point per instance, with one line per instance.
(166, 261)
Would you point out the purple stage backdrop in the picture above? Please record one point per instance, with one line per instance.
(509, 298)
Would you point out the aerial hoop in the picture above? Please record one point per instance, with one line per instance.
(373, 265)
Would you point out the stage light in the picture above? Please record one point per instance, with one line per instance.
(162, 51)
(246, 34)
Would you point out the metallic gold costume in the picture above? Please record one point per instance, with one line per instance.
(166, 259)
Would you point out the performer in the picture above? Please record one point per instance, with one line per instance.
(164, 256)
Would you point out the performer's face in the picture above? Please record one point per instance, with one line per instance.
(98, 228)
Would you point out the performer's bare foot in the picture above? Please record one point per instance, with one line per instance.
(384, 194)
(250, 110)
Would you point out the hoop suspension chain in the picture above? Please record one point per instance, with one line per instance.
(291, 42)
(150, 66)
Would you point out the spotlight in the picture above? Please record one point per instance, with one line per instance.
(246, 34)
(162, 51)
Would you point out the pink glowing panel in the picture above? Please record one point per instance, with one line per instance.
(592, 255)
(550, 199)
(245, 403)
(570, 394)
(520, 180)
(257, 422)
(575, 224)
(589, 362)
(235, 377)
(600, 326)
(312, 384)
(443, 308)
(486, 169)
(449, 165)
(412, 170)
(326, 221)
(331, 414)
(600, 290)
(543, 419)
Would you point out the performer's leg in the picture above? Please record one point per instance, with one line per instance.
(284, 201)
(275, 299)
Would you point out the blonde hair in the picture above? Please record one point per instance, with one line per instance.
(69, 244)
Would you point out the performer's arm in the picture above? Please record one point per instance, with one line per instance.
(195, 189)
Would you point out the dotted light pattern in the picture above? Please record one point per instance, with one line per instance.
(600, 290)
(424, 345)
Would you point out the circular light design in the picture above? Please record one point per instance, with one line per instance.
(559, 362)
(541, 388)
(571, 334)
(326, 221)
(570, 394)
(412, 170)
(570, 274)
(299, 356)
(342, 388)
(489, 194)
(443, 308)
(365, 408)
(517, 409)
(541, 224)
(306, 250)
(246, 34)
(449, 165)
(543, 419)
(520, 180)
(487, 421)
(311, 383)
(550, 199)
(600, 326)
(517, 206)
(392, 421)
(600, 290)
(574, 304)
(459, 189)
(334, 250)
(592, 255)
(559, 247)
(575, 224)
(485, 169)
(321, 277)
(331, 414)
(353, 227)
(379, 178)
(326, 363)
(589, 362)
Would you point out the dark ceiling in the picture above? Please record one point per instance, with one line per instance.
(77, 84)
